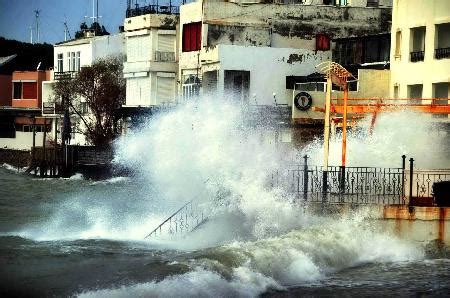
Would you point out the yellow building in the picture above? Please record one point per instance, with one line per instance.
(420, 49)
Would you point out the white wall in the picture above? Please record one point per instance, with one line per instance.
(268, 69)
(409, 14)
(22, 141)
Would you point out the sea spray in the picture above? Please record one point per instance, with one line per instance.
(412, 134)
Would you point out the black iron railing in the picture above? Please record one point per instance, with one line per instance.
(64, 75)
(417, 56)
(442, 53)
(420, 182)
(152, 9)
(184, 220)
(364, 185)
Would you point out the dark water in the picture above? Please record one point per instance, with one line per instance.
(69, 237)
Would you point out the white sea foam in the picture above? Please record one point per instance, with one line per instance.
(201, 151)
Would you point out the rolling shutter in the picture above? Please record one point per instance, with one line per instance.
(29, 90)
(165, 90)
(166, 43)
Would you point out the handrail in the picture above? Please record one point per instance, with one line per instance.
(169, 218)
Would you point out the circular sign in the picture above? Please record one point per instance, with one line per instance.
(303, 101)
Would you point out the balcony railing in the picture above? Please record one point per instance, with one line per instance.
(64, 75)
(417, 56)
(51, 108)
(442, 53)
(164, 56)
(152, 9)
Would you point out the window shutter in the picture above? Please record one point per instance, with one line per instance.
(29, 90)
(165, 90)
(166, 43)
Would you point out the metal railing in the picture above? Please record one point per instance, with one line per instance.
(420, 182)
(152, 9)
(442, 53)
(184, 220)
(417, 56)
(64, 75)
(164, 56)
(51, 108)
(363, 185)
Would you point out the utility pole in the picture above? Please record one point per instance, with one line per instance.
(37, 11)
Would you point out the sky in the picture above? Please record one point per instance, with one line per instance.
(16, 17)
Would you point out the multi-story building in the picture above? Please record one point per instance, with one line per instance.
(255, 53)
(420, 49)
(69, 58)
(19, 121)
(151, 66)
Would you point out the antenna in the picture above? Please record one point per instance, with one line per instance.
(94, 15)
(37, 11)
(66, 32)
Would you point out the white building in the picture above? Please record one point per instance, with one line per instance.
(151, 66)
(255, 53)
(69, 57)
(420, 49)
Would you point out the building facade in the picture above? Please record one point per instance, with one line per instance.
(69, 58)
(255, 53)
(420, 49)
(151, 66)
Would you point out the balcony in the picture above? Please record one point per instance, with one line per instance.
(64, 75)
(164, 56)
(51, 108)
(442, 53)
(417, 56)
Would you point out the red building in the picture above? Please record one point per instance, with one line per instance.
(27, 88)
(5, 90)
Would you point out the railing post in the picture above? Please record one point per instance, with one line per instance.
(324, 185)
(411, 173)
(403, 175)
(342, 180)
(305, 178)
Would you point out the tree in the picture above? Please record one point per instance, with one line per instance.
(100, 87)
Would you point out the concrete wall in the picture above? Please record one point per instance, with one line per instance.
(409, 14)
(5, 90)
(268, 69)
(22, 141)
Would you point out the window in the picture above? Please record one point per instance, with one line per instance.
(417, 51)
(17, 90)
(78, 64)
(322, 42)
(72, 64)
(398, 44)
(441, 90)
(192, 37)
(191, 87)
(68, 61)
(29, 90)
(60, 63)
(415, 92)
(442, 41)
(396, 90)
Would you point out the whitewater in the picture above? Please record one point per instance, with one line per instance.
(85, 238)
